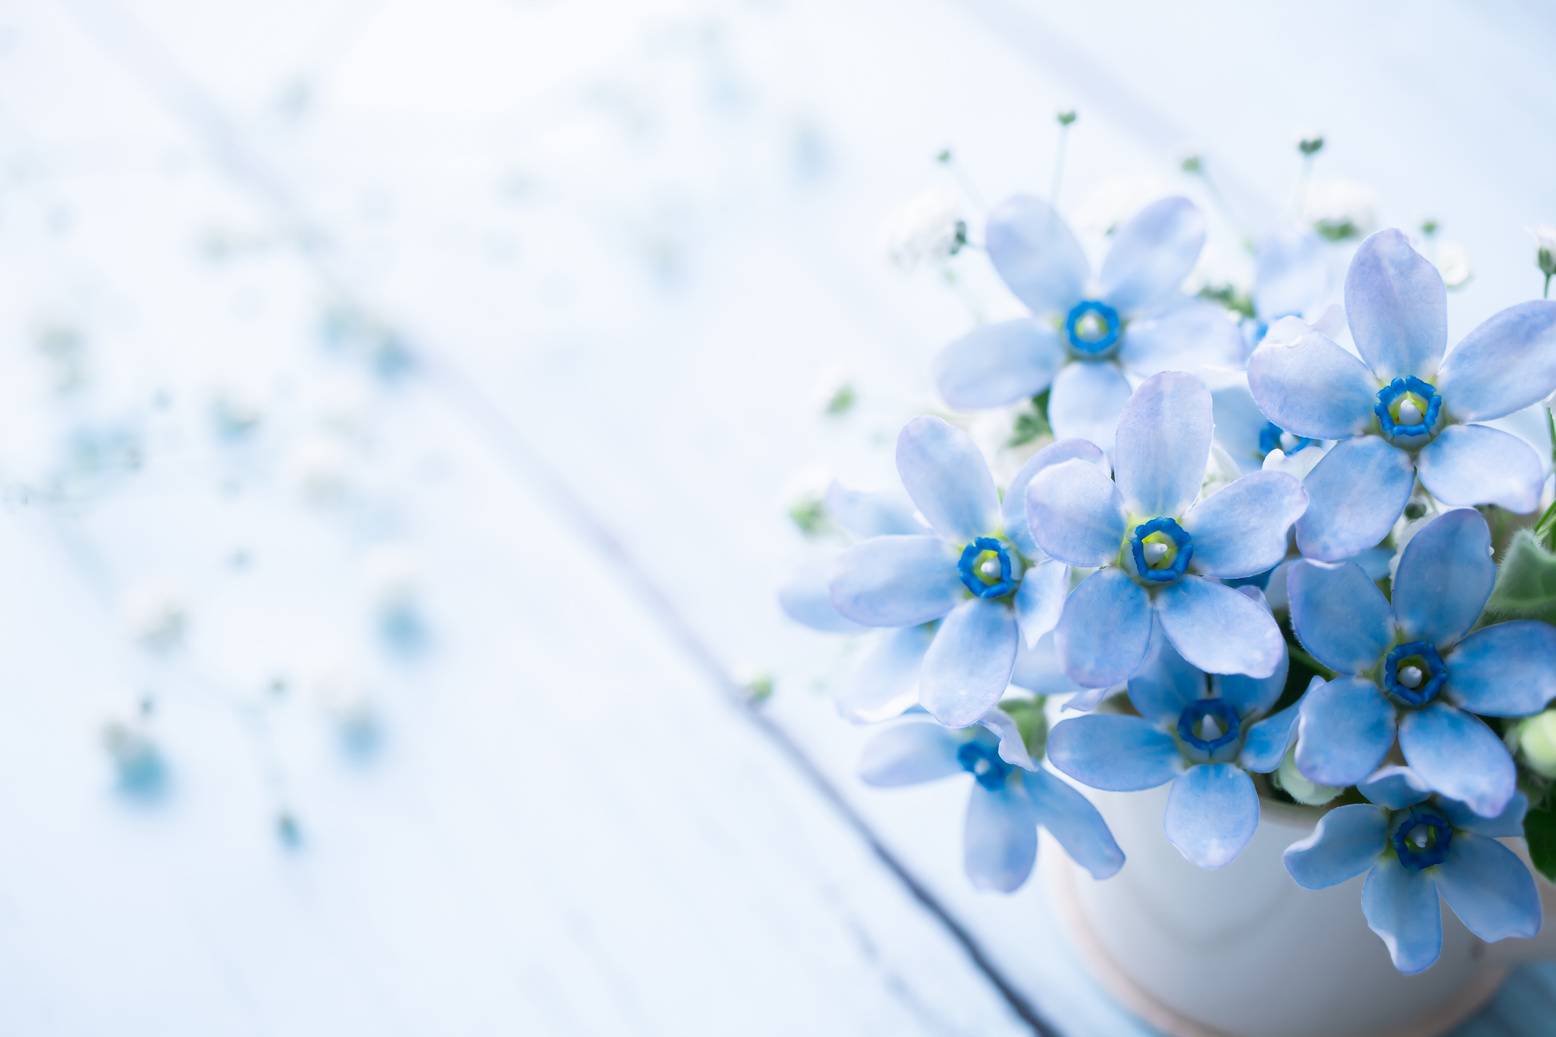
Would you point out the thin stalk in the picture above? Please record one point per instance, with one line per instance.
(948, 159)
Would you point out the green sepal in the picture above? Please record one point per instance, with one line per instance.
(1031, 721)
(1526, 581)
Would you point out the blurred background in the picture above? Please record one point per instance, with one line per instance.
(402, 409)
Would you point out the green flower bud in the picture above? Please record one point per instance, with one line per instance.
(1537, 742)
(1298, 787)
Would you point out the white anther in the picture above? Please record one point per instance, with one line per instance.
(1409, 413)
(1091, 327)
(1410, 676)
(990, 567)
(1154, 552)
(1288, 442)
(1419, 838)
(1210, 729)
(981, 767)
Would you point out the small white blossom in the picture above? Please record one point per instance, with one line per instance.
(927, 230)
(391, 576)
(126, 735)
(1544, 236)
(834, 393)
(1454, 264)
(343, 693)
(320, 467)
(1340, 208)
(156, 615)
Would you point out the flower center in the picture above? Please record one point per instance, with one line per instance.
(1272, 438)
(1092, 328)
(1161, 549)
(1422, 838)
(1408, 411)
(983, 763)
(1209, 724)
(1414, 673)
(987, 569)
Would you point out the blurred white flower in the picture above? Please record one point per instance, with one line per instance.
(1340, 209)
(834, 393)
(156, 615)
(1454, 264)
(320, 467)
(805, 499)
(343, 693)
(236, 412)
(391, 576)
(1114, 201)
(126, 735)
(1544, 236)
(928, 229)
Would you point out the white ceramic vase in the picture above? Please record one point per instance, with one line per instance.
(1244, 951)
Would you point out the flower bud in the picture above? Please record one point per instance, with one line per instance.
(1297, 785)
(1537, 742)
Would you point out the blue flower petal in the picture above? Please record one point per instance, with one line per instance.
(806, 597)
(1394, 787)
(1151, 255)
(1239, 424)
(1311, 387)
(1504, 365)
(1458, 755)
(968, 666)
(1212, 812)
(1036, 254)
(1117, 753)
(1347, 841)
(1504, 670)
(1265, 745)
(909, 753)
(896, 581)
(1086, 400)
(884, 682)
(1397, 308)
(999, 842)
(1252, 696)
(997, 364)
(1401, 907)
(1339, 615)
(1074, 823)
(1186, 337)
(1240, 530)
(1354, 496)
(1076, 514)
(1039, 601)
(1104, 629)
(1014, 506)
(1163, 443)
(1489, 888)
(872, 513)
(1444, 577)
(1291, 273)
(1219, 630)
(1012, 748)
(1508, 824)
(1038, 670)
(1345, 730)
(1164, 684)
(1478, 464)
(947, 477)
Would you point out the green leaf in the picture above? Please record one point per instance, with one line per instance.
(1031, 722)
(1540, 831)
(1526, 581)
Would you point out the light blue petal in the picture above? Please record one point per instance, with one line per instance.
(909, 753)
(1076, 514)
(1164, 684)
(1345, 730)
(1039, 601)
(999, 842)
(1401, 907)
(1074, 822)
(1444, 577)
(806, 597)
(1163, 444)
(1036, 254)
(1212, 812)
(1104, 629)
(1239, 422)
(1489, 888)
(1014, 506)
(947, 477)
(1339, 615)
(1508, 824)
(968, 666)
(896, 581)
(1354, 496)
(1504, 365)
(1013, 749)
(1253, 696)
(1290, 274)
(1478, 464)
(1088, 699)
(1219, 630)
(1394, 787)
(1265, 745)
(1086, 400)
(1038, 670)
(1151, 255)
(1458, 755)
(1240, 530)
(1397, 308)
(872, 513)
(1189, 335)
(1311, 387)
(884, 682)
(1117, 753)
(997, 364)
(1347, 841)
(1504, 670)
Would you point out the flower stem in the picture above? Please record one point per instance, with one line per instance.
(1547, 286)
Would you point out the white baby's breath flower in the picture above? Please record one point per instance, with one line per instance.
(1454, 264)
(320, 467)
(126, 736)
(1340, 209)
(1544, 236)
(156, 615)
(834, 393)
(343, 693)
(926, 230)
(236, 412)
(391, 576)
(805, 500)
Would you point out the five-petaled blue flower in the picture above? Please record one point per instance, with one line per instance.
(1201, 733)
(1012, 795)
(1414, 845)
(973, 574)
(1404, 409)
(1408, 667)
(1158, 555)
(1082, 338)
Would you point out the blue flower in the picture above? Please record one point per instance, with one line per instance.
(1204, 734)
(1403, 409)
(1011, 796)
(1291, 277)
(1081, 339)
(1156, 553)
(1408, 667)
(1414, 845)
(979, 573)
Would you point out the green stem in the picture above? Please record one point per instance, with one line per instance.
(1547, 286)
